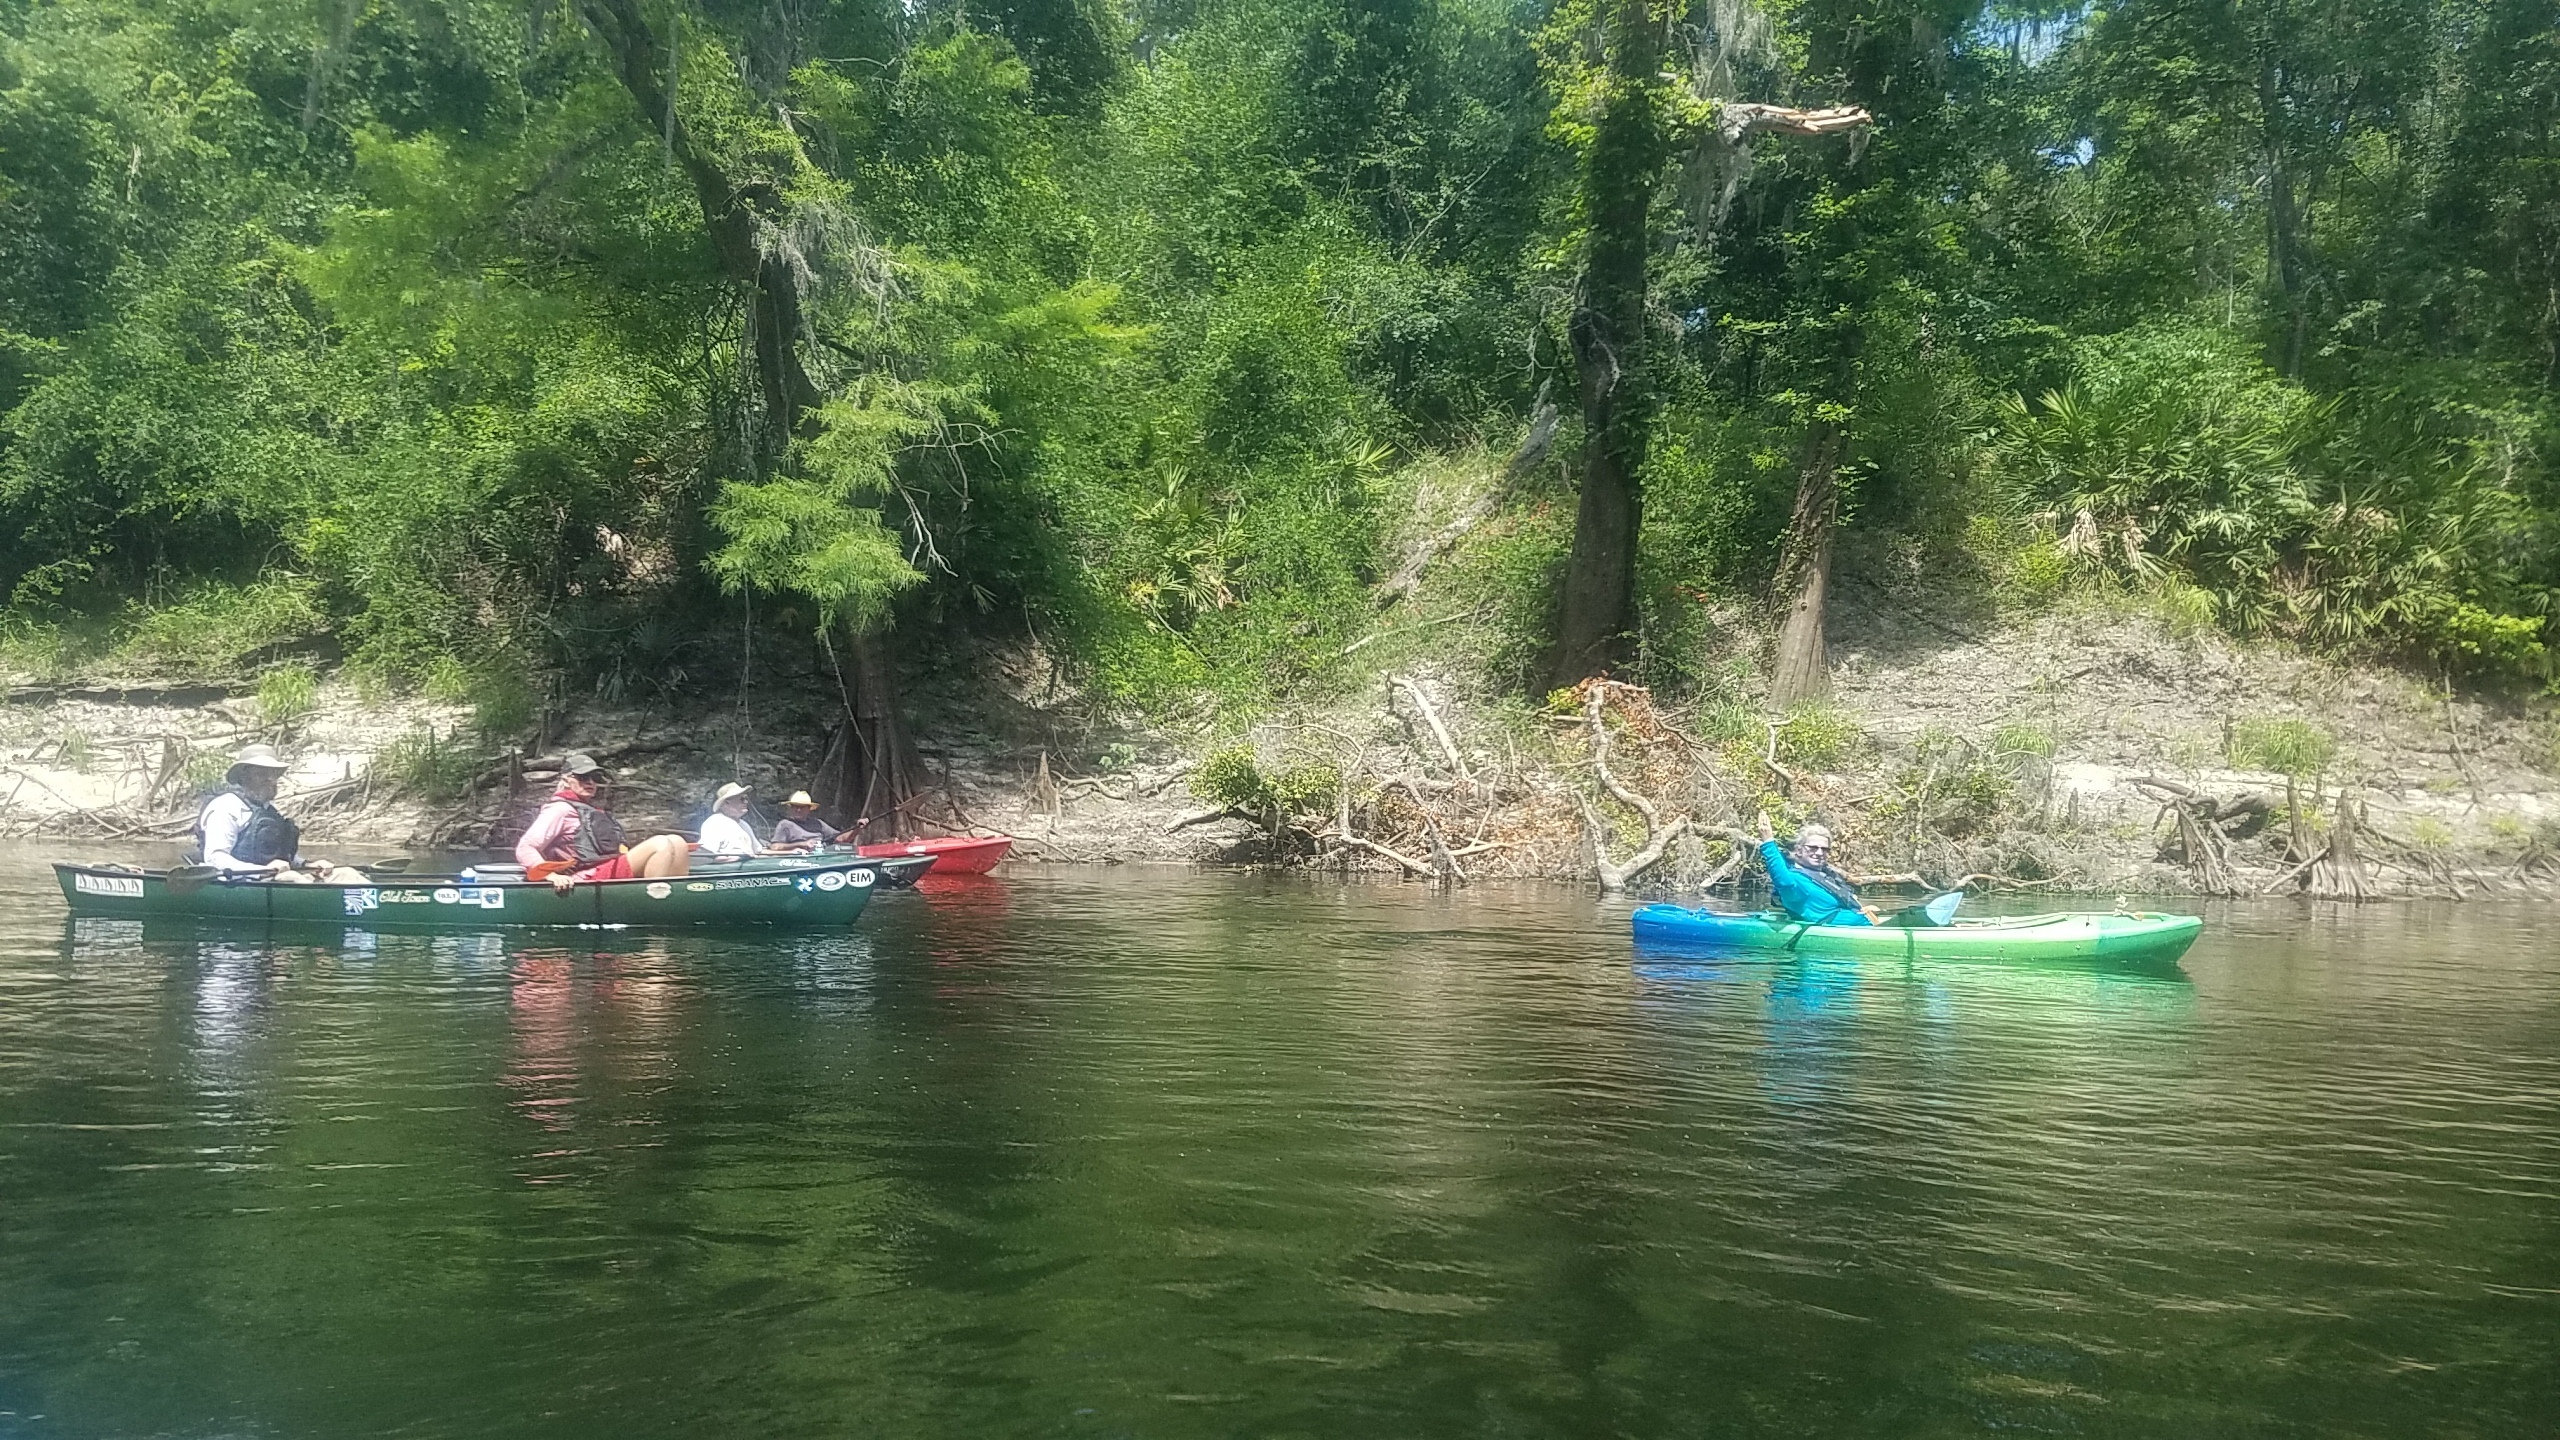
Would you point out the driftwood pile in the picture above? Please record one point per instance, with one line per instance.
(1622, 791)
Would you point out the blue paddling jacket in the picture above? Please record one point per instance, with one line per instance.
(1805, 897)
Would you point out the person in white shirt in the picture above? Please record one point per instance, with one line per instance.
(242, 834)
(724, 830)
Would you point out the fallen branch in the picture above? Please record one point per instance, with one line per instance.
(1383, 852)
(1431, 718)
(1657, 836)
(1365, 641)
(1723, 872)
(1206, 817)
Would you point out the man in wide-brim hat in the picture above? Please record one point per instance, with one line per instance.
(802, 827)
(242, 834)
(724, 830)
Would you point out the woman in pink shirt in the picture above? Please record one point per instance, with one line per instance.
(583, 841)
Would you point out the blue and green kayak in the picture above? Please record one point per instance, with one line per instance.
(2117, 938)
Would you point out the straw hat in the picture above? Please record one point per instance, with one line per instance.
(799, 801)
(259, 757)
(728, 792)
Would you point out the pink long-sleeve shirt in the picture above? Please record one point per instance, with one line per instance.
(553, 831)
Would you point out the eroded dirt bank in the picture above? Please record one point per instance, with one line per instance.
(2051, 753)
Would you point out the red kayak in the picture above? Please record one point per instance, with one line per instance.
(952, 854)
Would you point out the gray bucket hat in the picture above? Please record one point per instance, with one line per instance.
(259, 757)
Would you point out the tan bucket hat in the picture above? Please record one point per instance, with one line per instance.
(259, 757)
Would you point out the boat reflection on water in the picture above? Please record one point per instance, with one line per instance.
(1821, 1018)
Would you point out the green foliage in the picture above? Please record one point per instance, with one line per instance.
(504, 700)
(1233, 778)
(437, 769)
(2017, 738)
(2285, 746)
(416, 330)
(213, 632)
(286, 694)
(204, 771)
(1818, 737)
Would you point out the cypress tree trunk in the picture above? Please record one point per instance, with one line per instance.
(1625, 160)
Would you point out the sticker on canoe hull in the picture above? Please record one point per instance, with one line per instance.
(360, 900)
(448, 896)
(660, 889)
(832, 880)
(123, 887)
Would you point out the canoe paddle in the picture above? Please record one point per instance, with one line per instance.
(188, 879)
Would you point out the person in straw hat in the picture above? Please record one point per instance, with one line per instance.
(802, 828)
(241, 833)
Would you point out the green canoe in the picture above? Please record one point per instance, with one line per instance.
(808, 893)
(2116, 939)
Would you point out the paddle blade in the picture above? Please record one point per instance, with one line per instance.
(1942, 908)
(185, 879)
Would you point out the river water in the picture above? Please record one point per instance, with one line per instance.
(1163, 1154)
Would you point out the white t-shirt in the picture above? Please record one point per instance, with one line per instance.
(727, 835)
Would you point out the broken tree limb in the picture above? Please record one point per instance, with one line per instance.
(1431, 718)
(1723, 872)
(1384, 852)
(1206, 817)
(1738, 119)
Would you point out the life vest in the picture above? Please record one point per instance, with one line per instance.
(264, 838)
(599, 835)
(1833, 883)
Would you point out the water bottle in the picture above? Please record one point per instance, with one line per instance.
(469, 876)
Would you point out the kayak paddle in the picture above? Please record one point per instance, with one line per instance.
(1936, 910)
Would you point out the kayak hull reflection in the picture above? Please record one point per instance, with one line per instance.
(2148, 938)
(808, 894)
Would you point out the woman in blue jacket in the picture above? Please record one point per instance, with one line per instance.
(1807, 884)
